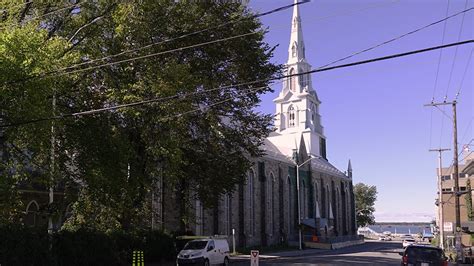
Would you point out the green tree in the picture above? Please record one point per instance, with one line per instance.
(111, 159)
(365, 197)
(26, 50)
(468, 199)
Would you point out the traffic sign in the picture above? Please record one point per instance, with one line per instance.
(254, 257)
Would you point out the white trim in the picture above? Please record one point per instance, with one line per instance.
(29, 204)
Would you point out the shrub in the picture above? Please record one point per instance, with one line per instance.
(85, 247)
(20, 245)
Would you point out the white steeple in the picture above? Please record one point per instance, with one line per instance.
(297, 106)
(296, 48)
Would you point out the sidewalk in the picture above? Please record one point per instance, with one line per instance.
(288, 253)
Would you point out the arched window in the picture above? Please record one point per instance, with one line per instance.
(303, 200)
(228, 222)
(271, 186)
(251, 193)
(303, 80)
(313, 114)
(291, 116)
(315, 200)
(31, 213)
(293, 50)
(290, 201)
(199, 218)
(292, 80)
(323, 201)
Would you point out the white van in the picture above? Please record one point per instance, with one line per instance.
(208, 251)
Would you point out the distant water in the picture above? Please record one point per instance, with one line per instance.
(402, 228)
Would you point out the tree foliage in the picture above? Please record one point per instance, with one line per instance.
(468, 199)
(201, 137)
(365, 197)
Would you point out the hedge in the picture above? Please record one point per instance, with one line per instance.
(21, 245)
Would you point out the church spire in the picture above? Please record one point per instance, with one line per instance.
(349, 169)
(296, 48)
(297, 106)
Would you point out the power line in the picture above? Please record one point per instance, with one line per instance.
(211, 105)
(312, 19)
(46, 14)
(186, 35)
(240, 84)
(58, 72)
(464, 75)
(456, 51)
(153, 54)
(401, 36)
(440, 55)
(437, 75)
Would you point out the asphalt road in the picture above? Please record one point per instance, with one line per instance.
(369, 253)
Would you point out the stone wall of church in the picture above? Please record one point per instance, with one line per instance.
(263, 211)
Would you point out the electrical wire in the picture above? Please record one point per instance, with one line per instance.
(464, 75)
(400, 37)
(211, 105)
(467, 130)
(46, 14)
(440, 55)
(445, 114)
(456, 51)
(186, 35)
(59, 72)
(437, 76)
(210, 42)
(243, 83)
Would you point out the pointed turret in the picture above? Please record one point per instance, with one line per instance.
(349, 169)
(296, 48)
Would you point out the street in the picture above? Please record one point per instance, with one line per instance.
(372, 252)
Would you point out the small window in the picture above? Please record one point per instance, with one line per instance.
(292, 80)
(322, 144)
(445, 177)
(291, 116)
(293, 50)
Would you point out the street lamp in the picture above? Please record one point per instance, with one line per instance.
(298, 195)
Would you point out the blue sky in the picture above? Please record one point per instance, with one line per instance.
(373, 114)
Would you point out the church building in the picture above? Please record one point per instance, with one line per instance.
(267, 209)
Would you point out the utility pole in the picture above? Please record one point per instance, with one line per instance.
(295, 158)
(440, 197)
(456, 176)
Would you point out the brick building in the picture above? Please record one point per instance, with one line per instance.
(466, 172)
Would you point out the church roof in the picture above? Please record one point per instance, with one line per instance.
(321, 165)
(317, 163)
(272, 152)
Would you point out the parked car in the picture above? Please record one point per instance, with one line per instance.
(423, 255)
(408, 241)
(385, 238)
(206, 252)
